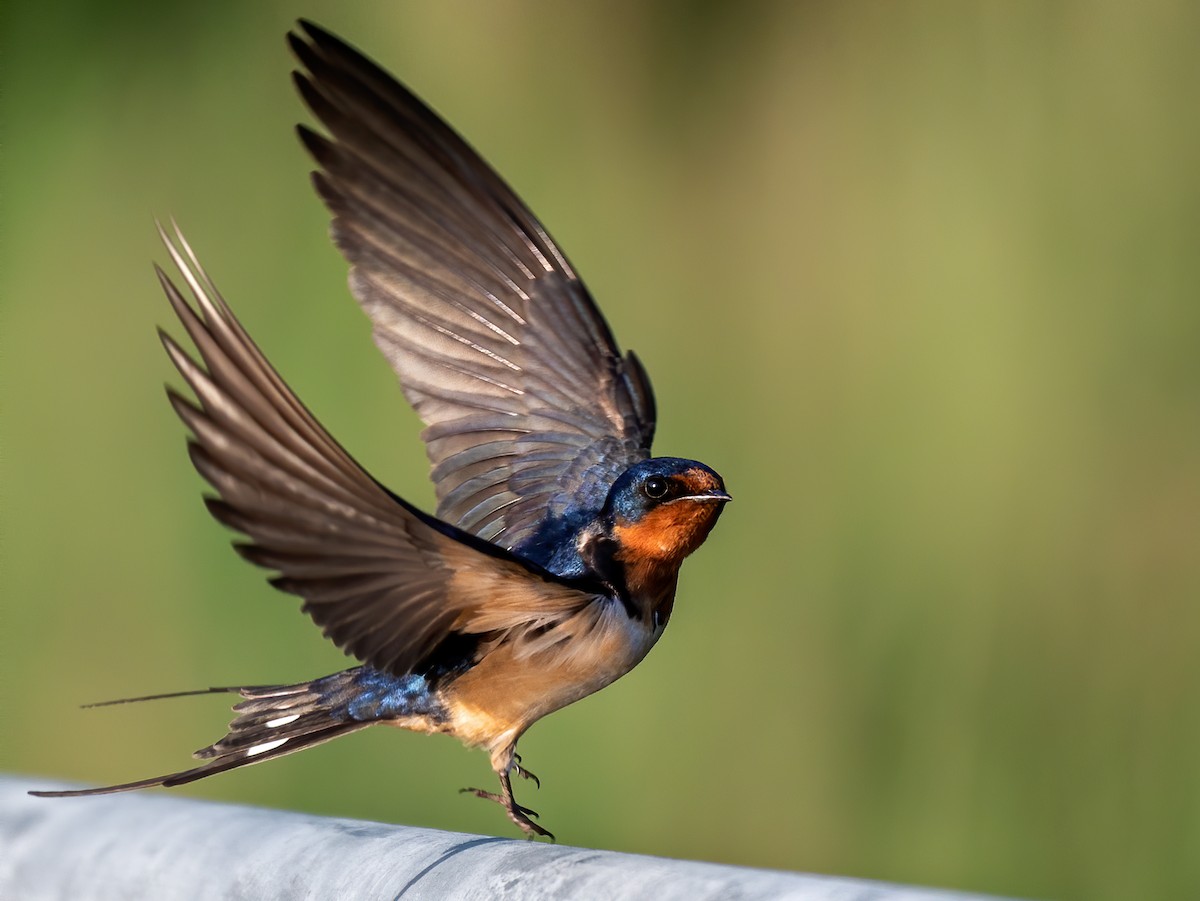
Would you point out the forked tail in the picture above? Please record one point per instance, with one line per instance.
(271, 721)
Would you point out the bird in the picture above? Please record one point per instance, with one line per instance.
(550, 566)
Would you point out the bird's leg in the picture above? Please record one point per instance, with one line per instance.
(518, 814)
(524, 773)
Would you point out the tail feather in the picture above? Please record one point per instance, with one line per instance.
(170, 694)
(282, 727)
(219, 764)
(272, 720)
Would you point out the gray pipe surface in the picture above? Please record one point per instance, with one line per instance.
(165, 848)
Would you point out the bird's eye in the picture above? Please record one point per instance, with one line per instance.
(655, 487)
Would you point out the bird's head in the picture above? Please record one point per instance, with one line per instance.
(662, 509)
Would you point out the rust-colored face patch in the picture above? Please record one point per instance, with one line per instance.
(652, 547)
(669, 532)
(700, 481)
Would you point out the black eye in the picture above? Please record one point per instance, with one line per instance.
(655, 487)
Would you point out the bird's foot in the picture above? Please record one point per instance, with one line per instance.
(518, 814)
(524, 773)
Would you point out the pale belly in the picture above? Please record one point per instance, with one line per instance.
(506, 692)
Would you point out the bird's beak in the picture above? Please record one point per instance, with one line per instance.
(715, 496)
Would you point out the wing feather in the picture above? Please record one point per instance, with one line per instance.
(496, 342)
(384, 581)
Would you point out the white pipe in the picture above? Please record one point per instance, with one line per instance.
(165, 848)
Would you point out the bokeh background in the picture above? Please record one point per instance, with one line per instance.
(921, 279)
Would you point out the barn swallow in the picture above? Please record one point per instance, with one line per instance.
(550, 568)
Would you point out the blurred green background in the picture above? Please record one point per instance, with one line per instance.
(920, 279)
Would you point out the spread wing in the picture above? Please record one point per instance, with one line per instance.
(530, 408)
(384, 581)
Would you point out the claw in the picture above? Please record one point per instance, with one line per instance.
(518, 814)
(525, 774)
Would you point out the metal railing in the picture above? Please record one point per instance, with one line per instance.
(165, 848)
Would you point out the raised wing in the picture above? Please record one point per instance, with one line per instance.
(531, 411)
(384, 581)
